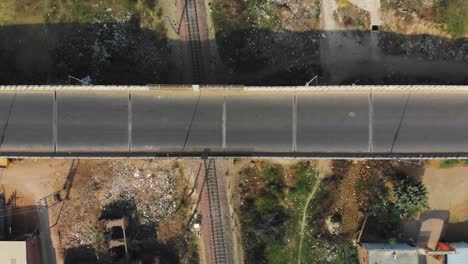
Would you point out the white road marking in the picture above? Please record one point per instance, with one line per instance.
(130, 116)
(224, 124)
(54, 120)
(294, 124)
(371, 123)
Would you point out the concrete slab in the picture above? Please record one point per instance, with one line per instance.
(259, 123)
(333, 122)
(433, 122)
(176, 122)
(26, 122)
(92, 122)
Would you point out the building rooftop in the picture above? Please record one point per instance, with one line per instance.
(380, 253)
(461, 255)
(13, 252)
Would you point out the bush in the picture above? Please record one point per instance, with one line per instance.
(272, 175)
(446, 164)
(378, 197)
(275, 253)
(265, 203)
(411, 197)
(454, 14)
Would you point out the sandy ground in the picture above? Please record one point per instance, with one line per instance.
(372, 6)
(448, 191)
(448, 201)
(417, 26)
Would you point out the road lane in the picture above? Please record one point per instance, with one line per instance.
(434, 122)
(165, 122)
(26, 122)
(92, 122)
(235, 122)
(333, 122)
(259, 123)
(389, 109)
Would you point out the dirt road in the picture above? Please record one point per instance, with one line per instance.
(371, 6)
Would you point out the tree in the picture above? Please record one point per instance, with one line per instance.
(411, 197)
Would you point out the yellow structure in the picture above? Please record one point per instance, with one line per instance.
(4, 162)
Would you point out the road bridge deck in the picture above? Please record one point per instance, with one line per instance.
(353, 121)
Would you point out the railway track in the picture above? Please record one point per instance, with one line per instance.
(194, 40)
(215, 214)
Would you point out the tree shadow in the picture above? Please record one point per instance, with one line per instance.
(83, 254)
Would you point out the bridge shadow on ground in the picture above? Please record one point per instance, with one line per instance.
(125, 53)
(142, 241)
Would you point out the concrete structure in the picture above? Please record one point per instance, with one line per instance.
(117, 233)
(148, 121)
(376, 253)
(19, 252)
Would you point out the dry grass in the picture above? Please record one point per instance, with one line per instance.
(352, 16)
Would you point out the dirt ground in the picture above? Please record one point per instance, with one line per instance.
(347, 201)
(448, 190)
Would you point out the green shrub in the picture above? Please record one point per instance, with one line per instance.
(446, 164)
(265, 203)
(272, 175)
(411, 197)
(130, 4)
(454, 14)
(275, 253)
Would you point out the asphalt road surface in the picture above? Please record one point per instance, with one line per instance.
(158, 122)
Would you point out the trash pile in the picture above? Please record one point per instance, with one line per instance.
(296, 14)
(151, 188)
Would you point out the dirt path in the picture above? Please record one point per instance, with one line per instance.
(323, 167)
(328, 21)
(371, 6)
(304, 216)
(347, 203)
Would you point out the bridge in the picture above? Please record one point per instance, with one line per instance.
(317, 121)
